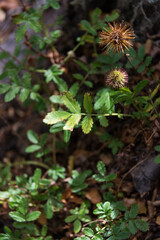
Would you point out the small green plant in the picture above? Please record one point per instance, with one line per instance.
(77, 182)
(38, 144)
(114, 221)
(102, 177)
(77, 216)
(25, 211)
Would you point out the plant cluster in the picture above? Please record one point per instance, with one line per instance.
(76, 105)
(35, 196)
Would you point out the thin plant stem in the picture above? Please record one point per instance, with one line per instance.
(107, 114)
(84, 79)
(54, 149)
(70, 54)
(12, 56)
(40, 164)
(130, 62)
(74, 49)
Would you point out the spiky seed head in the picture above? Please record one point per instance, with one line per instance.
(116, 78)
(117, 37)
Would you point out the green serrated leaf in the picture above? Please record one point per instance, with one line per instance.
(35, 25)
(20, 32)
(52, 72)
(32, 136)
(4, 55)
(123, 235)
(44, 231)
(32, 148)
(11, 94)
(103, 121)
(98, 177)
(56, 99)
(110, 177)
(87, 124)
(67, 135)
(23, 206)
(78, 76)
(85, 25)
(104, 99)
(88, 84)
(57, 116)
(98, 237)
(48, 209)
(71, 103)
(157, 159)
(133, 211)
(24, 93)
(95, 15)
(141, 225)
(57, 127)
(87, 103)
(141, 52)
(17, 216)
(140, 86)
(74, 89)
(111, 17)
(157, 148)
(4, 88)
(135, 62)
(82, 65)
(101, 168)
(32, 216)
(54, 4)
(72, 121)
(132, 227)
(77, 226)
(37, 175)
(88, 232)
(141, 68)
(147, 61)
(70, 218)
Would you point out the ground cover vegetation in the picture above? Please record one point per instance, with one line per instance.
(70, 95)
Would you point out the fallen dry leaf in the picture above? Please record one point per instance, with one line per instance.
(142, 207)
(93, 195)
(9, 4)
(151, 209)
(106, 158)
(148, 46)
(128, 202)
(66, 194)
(158, 220)
(75, 199)
(42, 220)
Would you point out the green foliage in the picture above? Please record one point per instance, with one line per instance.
(82, 101)
(38, 144)
(77, 182)
(138, 59)
(20, 200)
(78, 215)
